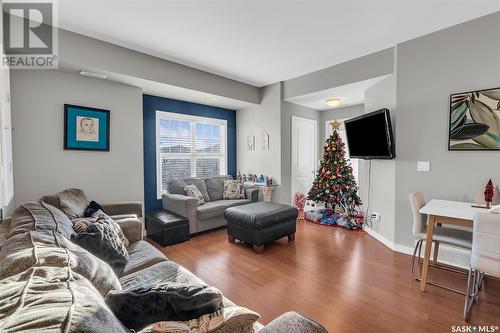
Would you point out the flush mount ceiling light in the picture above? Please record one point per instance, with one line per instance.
(92, 74)
(333, 101)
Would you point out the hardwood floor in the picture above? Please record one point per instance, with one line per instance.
(346, 280)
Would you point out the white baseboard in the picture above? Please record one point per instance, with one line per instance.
(447, 254)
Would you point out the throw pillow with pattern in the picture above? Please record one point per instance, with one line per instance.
(226, 320)
(101, 216)
(193, 192)
(233, 189)
(102, 240)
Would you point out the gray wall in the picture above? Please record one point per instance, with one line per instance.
(41, 166)
(256, 119)
(289, 110)
(367, 67)
(461, 58)
(81, 52)
(337, 113)
(381, 198)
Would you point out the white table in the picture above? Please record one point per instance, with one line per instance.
(267, 190)
(444, 212)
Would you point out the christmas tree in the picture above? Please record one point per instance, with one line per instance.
(335, 184)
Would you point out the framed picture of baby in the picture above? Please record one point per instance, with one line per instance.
(85, 128)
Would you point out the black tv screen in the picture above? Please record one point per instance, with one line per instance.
(370, 136)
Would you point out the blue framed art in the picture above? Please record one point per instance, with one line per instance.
(86, 128)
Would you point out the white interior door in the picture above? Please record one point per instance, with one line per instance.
(304, 154)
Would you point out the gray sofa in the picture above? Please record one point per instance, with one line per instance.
(209, 215)
(48, 283)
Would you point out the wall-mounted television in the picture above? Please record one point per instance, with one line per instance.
(370, 136)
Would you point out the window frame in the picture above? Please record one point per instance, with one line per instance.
(193, 156)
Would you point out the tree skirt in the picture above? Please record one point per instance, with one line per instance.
(329, 218)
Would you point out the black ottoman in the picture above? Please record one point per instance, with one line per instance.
(259, 223)
(167, 228)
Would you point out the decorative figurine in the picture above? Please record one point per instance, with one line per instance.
(488, 194)
(261, 179)
(244, 177)
(240, 179)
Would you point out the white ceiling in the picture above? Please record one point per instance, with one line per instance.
(262, 42)
(350, 94)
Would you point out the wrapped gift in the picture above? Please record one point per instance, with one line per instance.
(330, 219)
(300, 203)
(317, 214)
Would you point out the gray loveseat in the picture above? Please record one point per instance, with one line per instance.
(209, 215)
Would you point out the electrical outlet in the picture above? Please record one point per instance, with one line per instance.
(375, 216)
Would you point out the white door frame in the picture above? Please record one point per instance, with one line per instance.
(293, 151)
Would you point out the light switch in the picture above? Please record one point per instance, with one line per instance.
(423, 166)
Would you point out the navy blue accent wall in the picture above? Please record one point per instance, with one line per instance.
(151, 104)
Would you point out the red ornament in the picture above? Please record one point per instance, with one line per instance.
(488, 193)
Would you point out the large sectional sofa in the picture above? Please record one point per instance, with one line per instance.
(209, 215)
(48, 283)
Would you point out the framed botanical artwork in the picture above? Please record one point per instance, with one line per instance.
(86, 128)
(475, 120)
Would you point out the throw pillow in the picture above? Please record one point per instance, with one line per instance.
(81, 224)
(192, 191)
(73, 202)
(91, 209)
(233, 189)
(215, 186)
(176, 186)
(102, 240)
(227, 320)
(100, 216)
(168, 301)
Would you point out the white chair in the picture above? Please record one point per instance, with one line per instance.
(485, 258)
(450, 236)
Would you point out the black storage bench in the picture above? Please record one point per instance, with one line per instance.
(167, 228)
(259, 223)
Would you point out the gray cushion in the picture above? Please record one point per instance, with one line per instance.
(166, 271)
(163, 302)
(102, 240)
(176, 186)
(216, 208)
(49, 249)
(33, 216)
(142, 255)
(54, 299)
(293, 322)
(215, 186)
(73, 202)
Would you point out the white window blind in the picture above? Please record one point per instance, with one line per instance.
(189, 146)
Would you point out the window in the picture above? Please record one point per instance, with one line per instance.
(189, 146)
